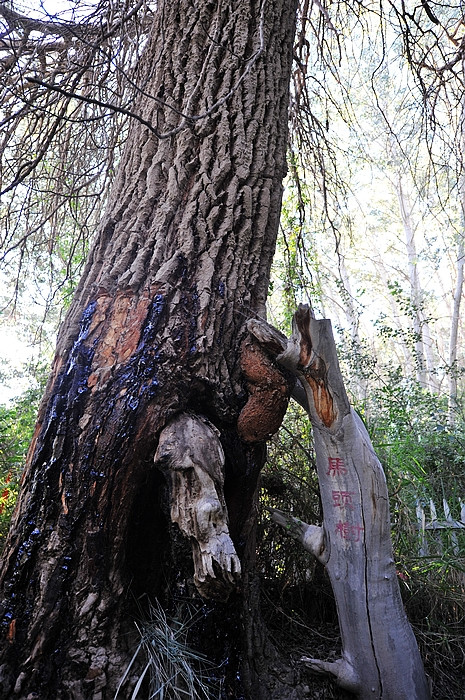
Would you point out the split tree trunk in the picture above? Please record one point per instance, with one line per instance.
(181, 259)
(380, 656)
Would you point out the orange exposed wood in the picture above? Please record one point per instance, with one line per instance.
(33, 443)
(11, 634)
(322, 399)
(117, 323)
(314, 369)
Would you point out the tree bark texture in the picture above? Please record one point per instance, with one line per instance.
(380, 657)
(180, 261)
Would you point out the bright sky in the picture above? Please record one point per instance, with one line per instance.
(17, 348)
(14, 353)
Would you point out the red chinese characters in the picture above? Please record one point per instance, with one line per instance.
(348, 531)
(336, 467)
(342, 499)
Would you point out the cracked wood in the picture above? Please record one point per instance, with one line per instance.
(380, 657)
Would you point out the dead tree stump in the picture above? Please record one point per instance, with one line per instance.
(380, 657)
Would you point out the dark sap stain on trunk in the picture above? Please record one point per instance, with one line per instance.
(139, 377)
(55, 440)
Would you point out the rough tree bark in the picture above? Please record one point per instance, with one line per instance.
(150, 345)
(380, 657)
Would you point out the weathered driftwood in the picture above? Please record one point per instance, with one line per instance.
(190, 452)
(380, 657)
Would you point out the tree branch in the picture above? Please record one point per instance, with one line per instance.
(100, 103)
(67, 30)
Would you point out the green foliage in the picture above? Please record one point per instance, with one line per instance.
(295, 271)
(423, 458)
(422, 454)
(17, 420)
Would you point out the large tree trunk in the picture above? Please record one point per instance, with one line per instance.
(380, 657)
(181, 259)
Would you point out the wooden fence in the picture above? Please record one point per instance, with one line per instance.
(425, 525)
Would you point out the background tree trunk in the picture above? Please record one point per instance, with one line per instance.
(457, 296)
(181, 259)
(415, 311)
